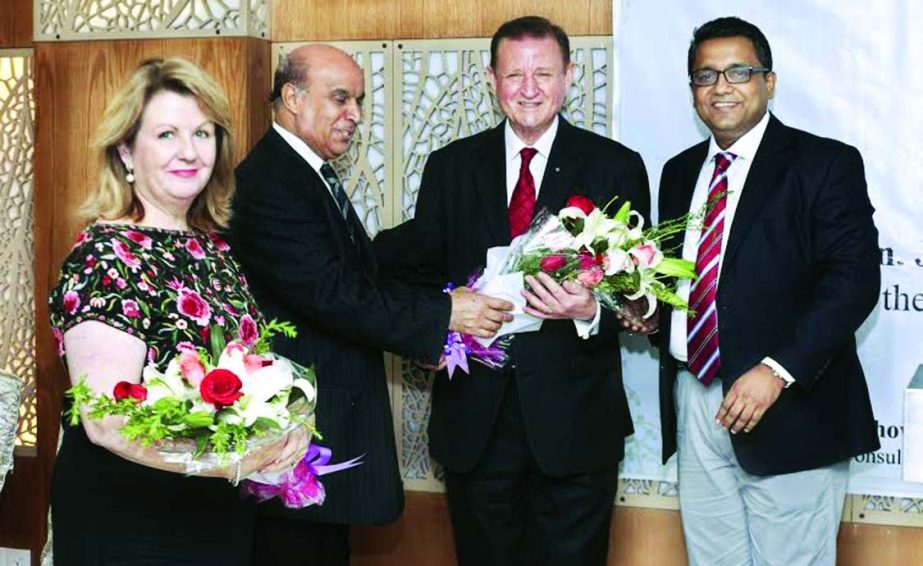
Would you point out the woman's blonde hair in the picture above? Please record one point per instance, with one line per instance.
(115, 197)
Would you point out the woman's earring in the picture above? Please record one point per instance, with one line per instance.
(130, 176)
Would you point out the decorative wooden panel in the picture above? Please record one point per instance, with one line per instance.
(15, 24)
(17, 335)
(337, 20)
(111, 19)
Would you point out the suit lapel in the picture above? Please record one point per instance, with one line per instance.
(491, 185)
(564, 163)
(770, 161)
(312, 180)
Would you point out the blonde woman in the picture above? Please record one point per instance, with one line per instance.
(148, 275)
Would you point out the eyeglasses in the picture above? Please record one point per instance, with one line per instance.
(733, 75)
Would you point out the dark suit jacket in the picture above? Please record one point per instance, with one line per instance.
(799, 275)
(573, 405)
(303, 268)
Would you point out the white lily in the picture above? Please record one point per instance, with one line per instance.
(250, 409)
(596, 226)
(309, 392)
(266, 382)
(644, 290)
(636, 232)
(617, 261)
(571, 212)
(232, 359)
(618, 236)
(167, 384)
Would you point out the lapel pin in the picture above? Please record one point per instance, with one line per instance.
(557, 169)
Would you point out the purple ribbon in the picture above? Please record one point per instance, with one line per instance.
(300, 487)
(456, 353)
(459, 347)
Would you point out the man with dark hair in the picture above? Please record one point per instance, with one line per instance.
(309, 262)
(531, 451)
(761, 388)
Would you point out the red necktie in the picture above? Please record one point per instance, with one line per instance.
(522, 205)
(702, 328)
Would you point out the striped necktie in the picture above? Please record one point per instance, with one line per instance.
(336, 188)
(339, 196)
(704, 358)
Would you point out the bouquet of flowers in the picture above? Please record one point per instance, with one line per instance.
(207, 409)
(614, 255)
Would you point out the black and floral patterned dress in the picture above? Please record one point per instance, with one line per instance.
(166, 287)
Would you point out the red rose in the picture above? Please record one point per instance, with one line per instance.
(126, 390)
(589, 261)
(220, 388)
(581, 202)
(552, 263)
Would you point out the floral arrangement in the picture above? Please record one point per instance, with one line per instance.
(220, 399)
(207, 409)
(614, 255)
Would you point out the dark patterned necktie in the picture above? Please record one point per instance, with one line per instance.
(704, 358)
(522, 204)
(339, 196)
(336, 188)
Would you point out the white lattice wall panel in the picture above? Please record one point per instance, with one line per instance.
(60, 20)
(17, 308)
(365, 169)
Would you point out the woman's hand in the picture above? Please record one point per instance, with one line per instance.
(283, 454)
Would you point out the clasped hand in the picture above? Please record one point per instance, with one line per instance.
(748, 399)
(474, 314)
(549, 300)
(478, 315)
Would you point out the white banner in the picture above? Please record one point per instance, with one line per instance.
(847, 69)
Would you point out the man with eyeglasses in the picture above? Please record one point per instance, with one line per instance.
(761, 390)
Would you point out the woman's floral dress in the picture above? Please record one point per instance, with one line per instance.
(168, 288)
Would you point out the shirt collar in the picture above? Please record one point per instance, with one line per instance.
(314, 160)
(543, 144)
(748, 143)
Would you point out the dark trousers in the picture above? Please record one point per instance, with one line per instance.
(506, 512)
(280, 541)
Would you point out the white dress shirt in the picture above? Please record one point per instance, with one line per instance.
(306, 153)
(514, 145)
(745, 150)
